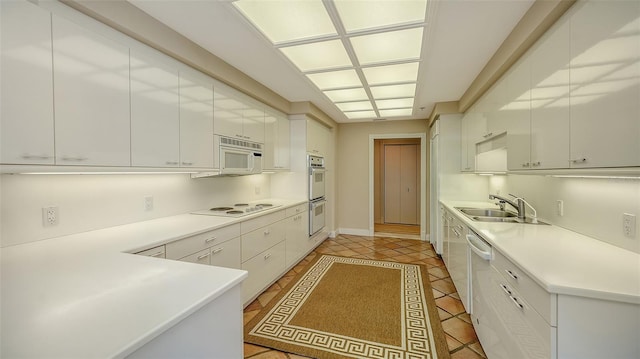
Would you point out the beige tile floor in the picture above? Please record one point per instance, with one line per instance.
(461, 337)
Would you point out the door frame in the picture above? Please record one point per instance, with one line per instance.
(423, 175)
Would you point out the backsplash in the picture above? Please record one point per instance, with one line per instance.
(592, 206)
(89, 202)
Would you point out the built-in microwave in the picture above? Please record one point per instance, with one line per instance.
(237, 157)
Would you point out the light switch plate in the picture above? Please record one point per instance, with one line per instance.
(560, 207)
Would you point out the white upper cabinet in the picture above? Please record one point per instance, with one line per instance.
(91, 88)
(276, 141)
(550, 87)
(155, 110)
(518, 111)
(605, 84)
(238, 116)
(317, 138)
(26, 104)
(196, 119)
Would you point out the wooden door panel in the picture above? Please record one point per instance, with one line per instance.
(392, 183)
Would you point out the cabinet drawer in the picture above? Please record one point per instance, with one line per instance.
(202, 257)
(263, 269)
(158, 252)
(190, 245)
(297, 209)
(261, 239)
(255, 223)
(227, 254)
(543, 301)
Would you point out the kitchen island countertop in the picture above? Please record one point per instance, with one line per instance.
(86, 295)
(560, 260)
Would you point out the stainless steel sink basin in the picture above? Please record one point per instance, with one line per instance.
(487, 212)
(495, 215)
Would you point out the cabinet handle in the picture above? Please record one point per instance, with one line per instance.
(209, 240)
(456, 232)
(511, 274)
(525, 164)
(185, 163)
(267, 256)
(35, 157)
(172, 162)
(217, 250)
(459, 227)
(515, 301)
(267, 232)
(505, 289)
(158, 254)
(203, 256)
(488, 135)
(246, 137)
(238, 135)
(579, 160)
(75, 159)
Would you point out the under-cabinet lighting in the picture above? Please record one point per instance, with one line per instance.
(490, 173)
(596, 176)
(102, 173)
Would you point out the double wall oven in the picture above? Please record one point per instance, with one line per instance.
(317, 201)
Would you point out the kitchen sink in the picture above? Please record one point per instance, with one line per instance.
(486, 212)
(495, 215)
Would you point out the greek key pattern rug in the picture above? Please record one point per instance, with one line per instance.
(353, 308)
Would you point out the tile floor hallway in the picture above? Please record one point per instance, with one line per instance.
(461, 337)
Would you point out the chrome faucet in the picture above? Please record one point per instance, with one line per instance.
(518, 204)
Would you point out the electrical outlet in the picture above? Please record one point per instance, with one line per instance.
(629, 225)
(560, 208)
(50, 216)
(148, 203)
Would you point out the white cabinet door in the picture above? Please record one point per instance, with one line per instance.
(605, 83)
(297, 238)
(238, 116)
(228, 113)
(253, 123)
(496, 101)
(276, 142)
(472, 125)
(196, 120)
(519, 110)
(91, 91)
(155, 111)
(550, 110)
(317, 138)
(26, 104)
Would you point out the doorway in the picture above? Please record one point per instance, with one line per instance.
(397, 190)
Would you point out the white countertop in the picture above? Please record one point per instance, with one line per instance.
(85, 295)
(561, 261)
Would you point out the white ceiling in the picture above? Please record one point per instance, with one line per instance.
(460, 37)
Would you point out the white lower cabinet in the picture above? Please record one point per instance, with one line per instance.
(298, 241)
(458, 259)
(263, 269)
(220, 247)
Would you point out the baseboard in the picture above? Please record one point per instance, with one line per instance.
(354, 231)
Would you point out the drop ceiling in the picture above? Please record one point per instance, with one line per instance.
(354, 68)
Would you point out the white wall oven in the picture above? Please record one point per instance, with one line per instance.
(317, 202)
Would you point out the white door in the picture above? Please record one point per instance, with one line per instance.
(401, 184)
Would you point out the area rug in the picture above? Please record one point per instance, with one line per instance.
(353, 308)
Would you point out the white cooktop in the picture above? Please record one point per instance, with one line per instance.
(238, 209)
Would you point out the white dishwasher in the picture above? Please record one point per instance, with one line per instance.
(501, 318)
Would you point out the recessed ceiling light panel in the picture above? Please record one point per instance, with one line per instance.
(389, 74)
(360, 114)
(388, 46)
(323, 55)
(397, 112)
(360, 15)
(355, 106)
(395, 103)
(282, 21)
(347, 95)
(393, 91)
(335, 79)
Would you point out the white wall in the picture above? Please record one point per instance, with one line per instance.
(89, 202)
(592, 206)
